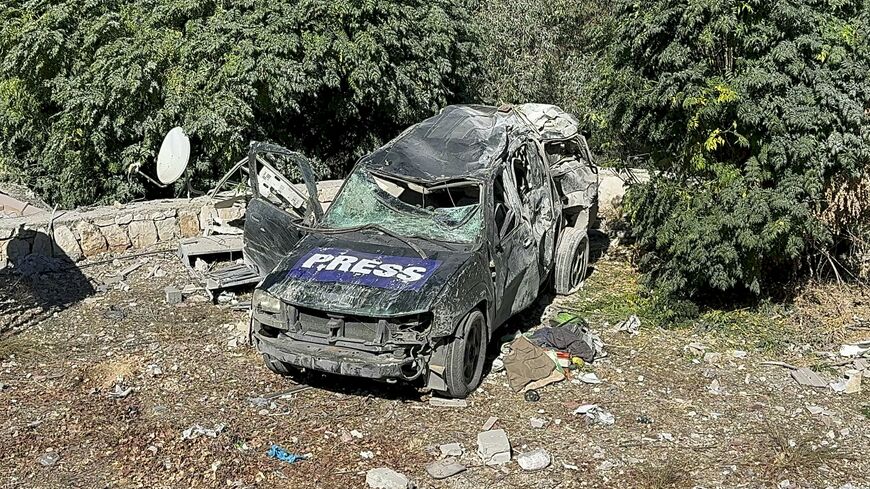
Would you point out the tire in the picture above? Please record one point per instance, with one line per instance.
(465, 356)
(572, 260)
(279, 367)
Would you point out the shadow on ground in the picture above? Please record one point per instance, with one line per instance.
(35, 286)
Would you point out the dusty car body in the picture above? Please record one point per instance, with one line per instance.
(433, 241)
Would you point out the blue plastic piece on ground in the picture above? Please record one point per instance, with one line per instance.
(277, 452)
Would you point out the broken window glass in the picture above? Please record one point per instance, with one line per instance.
(447, 212)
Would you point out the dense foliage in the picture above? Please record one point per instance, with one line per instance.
(751, 110)
(753, 113)
(89, 87)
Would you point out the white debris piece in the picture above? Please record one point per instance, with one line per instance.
(588, 378)
(855, 349)
(490, 423)
(356, 434)
(444, 402)
(537, 422)
(196, 431)
(851, 384)
(385, 478)
(535, 460)
(596, 414)
(494, 447)
(451, 450)
(630, 325)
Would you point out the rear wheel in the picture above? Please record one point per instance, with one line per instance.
(465, 356)
(572, 260)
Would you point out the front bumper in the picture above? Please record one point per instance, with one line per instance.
(336, 359)
(375, 348)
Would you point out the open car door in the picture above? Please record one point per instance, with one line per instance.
(284, 194)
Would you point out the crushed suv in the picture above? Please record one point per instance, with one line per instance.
(433, 241)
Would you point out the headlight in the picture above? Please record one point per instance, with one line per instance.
(266, 302)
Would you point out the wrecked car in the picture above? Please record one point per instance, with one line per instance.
(433, 241)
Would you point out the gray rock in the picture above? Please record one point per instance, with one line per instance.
(385, 478)
(143, 234)
(116, 237)
(494, 447)
(48, 459)
(65, 244)
(535, 460)
(451, 450)
(173, 295)
(443, 469)
(167, 229)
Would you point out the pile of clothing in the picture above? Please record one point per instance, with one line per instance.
(541, 358)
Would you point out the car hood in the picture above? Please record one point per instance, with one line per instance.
(365, 274)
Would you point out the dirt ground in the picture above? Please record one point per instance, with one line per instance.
(70, 343)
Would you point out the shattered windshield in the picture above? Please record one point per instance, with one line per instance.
(446, 212)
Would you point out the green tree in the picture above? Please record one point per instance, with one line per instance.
(89, 87)
(748, 110)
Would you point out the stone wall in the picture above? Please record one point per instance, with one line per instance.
(86, 233)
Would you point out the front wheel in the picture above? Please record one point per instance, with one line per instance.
(572, 260)
(465, 356)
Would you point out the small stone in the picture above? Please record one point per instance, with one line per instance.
(443, 469)
(173, 295)
(385, 478)
(48, 459)
(367, 454)
(155, 370)
(356, 434)
(451, 450)
(535, 460)
(494, 447)
(537, 423)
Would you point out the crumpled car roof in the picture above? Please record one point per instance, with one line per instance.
(465, 141)
(551, 121)
(461, 141)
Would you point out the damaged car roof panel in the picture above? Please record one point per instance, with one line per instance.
(461, 141)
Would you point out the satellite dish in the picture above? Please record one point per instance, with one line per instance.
(173, 156)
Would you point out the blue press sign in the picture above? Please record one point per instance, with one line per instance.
(353, 267)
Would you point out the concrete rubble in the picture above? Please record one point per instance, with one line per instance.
(535, 460)
(494, 447)
(386, 478)
(442, 469)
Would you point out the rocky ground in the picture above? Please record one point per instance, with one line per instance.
(99, 383)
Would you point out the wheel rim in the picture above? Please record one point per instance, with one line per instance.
(472, 351)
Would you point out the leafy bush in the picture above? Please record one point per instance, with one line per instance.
(89, 87)
(540, 51)
(748, 110)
